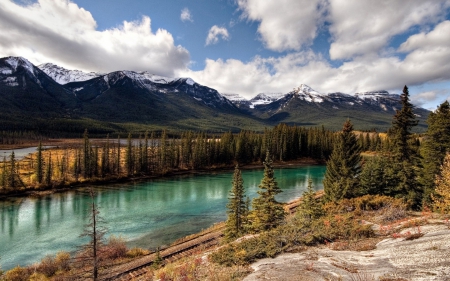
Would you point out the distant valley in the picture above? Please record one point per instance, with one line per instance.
(54, 100)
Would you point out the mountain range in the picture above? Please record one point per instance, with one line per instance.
(49, 98)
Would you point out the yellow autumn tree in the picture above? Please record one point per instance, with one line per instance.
(442, 198)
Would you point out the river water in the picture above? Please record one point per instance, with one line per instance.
(147, 214)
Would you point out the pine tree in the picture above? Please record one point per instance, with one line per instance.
(343, 167)
(129, 156)
(400, 133)
(236, 207)
(39, 164)
(49, 171)
(267, 212)
(435, 144)
(441, 198)
(377, 176)
(404, 154)
(310, 208)
(86, 155)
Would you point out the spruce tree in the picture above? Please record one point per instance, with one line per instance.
(267, 212)
(400, 133)
(343, 167)
(404, 154)
(441, 198)
(39, 164)
(435, 144)
(310, 208)
(236, 207)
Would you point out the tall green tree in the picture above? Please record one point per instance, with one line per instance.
(236, 207)
(436, 143)
(404, 154)
(344, 166)
(400, 133)
(267, 212)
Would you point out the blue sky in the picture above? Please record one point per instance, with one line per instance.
(254, 46)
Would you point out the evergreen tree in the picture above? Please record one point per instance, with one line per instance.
(435, 145)
(129, 156)
(441, 198)
(267, 212)
(86, 155)
(343, 167)
(48, 171)
(404, 155)
(236, 207)
(377, 176)
(39, 164)
(310, 208)
(4, 178)
(400, 133)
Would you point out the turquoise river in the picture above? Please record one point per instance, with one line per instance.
(147, 214)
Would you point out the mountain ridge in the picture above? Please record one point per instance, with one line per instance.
(121, 98)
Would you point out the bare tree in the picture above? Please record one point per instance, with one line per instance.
(96, 231)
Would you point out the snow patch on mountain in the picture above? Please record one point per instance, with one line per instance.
(233, 97)
(308, 94)
(265, 98)
(63, 76)
(373, 95)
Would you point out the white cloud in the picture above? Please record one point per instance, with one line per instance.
(61, 32)
(214, 33)
(425, 62)
(186, 15)
(361, 27)
(285, 24)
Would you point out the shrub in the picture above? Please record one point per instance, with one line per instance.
(137, 252)
(47, 266)
(62, 260)
(17, 274)
(116, 248)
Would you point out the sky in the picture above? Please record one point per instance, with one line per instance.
(244, 47)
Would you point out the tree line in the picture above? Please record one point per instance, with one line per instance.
(158, 154)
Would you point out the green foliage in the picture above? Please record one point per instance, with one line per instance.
(400, 133)
(340, 221)
(310, 208)
(237, 212)
(377, 176)
(404, 154)
(436, 143)
(267, 212)
(343, 167)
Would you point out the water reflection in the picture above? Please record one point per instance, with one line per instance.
(147, 214)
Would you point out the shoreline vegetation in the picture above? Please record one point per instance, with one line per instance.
(72, 163)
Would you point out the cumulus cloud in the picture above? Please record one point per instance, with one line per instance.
(61, 32)
(186, 15)
(285, 24)
(214, 33)
(361, 27)
(425, 62)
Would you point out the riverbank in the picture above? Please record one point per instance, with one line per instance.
(58, 187)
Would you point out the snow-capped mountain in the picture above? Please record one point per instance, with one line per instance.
(265, 98)
(63, 76)
(32, 94)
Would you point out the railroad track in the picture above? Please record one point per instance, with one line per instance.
(139, 267)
